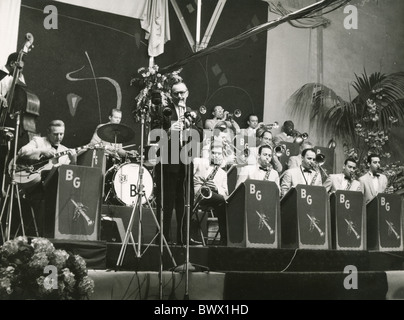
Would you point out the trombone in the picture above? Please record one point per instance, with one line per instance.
(320, 160)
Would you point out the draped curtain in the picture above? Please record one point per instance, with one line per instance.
(153, 14)
(9, 20)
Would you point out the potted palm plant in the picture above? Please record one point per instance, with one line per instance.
(363, 124)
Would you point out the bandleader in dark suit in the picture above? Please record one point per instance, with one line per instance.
(178, 122)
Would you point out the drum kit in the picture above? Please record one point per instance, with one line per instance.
(122, 179)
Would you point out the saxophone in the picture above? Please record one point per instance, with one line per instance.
(204, 192)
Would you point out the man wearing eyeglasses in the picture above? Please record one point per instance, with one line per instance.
(184, 130)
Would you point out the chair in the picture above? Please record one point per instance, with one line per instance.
(212, 227)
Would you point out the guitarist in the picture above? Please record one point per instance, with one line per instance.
(43, 150)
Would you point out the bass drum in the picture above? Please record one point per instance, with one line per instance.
(125, 184)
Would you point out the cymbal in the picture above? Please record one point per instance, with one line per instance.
(115, 133)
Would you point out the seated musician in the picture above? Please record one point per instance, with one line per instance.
(296, 161)
(210, 177)
(287, 133)
(264, 136)
(307, 173)
(344, 180)
(39, 157)
(263, 170)
(373, 182)
(114, 150)
(219, 137)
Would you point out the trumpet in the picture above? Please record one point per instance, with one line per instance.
(202, 110)
(300, 137)
(269, 126)
(279, 150)
(235, 114)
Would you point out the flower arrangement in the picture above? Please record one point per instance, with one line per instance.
(372, 139)
(155, 89)
(38, 271)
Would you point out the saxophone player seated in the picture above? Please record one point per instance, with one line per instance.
(263, 170)
(344, 180)
(210, 187)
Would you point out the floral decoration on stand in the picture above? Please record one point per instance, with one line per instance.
(372, 139)
(155, 91)
(25, 272)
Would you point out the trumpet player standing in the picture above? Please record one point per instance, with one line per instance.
(307, 173)
(344, 180)
(210, 186)
(263, 170)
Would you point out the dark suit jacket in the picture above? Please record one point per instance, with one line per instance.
(172, 149)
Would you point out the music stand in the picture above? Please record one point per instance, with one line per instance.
(12, 189)
(140, 194)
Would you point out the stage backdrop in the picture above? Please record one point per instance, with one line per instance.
(82, 69)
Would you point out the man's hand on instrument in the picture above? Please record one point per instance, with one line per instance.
(178, 125)
(211, 185)
(48, 153)
(72, 152)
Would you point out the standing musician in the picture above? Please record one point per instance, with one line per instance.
(263, 170)
(306, 173)
(345, 180)
(373, 182)
(43, 149)
(6, 80)
(181, 131)
(210, 176)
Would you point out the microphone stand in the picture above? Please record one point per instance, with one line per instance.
(188, 220)
(12, 187)
(141, 194)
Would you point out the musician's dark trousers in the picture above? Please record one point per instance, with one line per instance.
(218, 203)
(174, 196)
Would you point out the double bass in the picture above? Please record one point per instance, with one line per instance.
(19, 98)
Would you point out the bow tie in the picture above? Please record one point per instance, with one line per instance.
(347, 178)
(376, 175)
(55, 147)
(264, 168)
(307, 170)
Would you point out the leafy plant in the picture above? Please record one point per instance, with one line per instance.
(363, 123)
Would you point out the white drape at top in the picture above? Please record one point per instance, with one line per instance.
(154, 16)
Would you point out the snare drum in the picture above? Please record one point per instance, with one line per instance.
(125, 184)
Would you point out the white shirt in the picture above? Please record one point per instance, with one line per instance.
(6, 82)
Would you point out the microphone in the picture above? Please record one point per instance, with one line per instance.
(190, 115)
